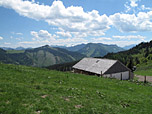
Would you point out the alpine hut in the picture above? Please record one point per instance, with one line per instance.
(103, 67)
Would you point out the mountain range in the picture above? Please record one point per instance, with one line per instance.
(75, 48)
(99, 49)
(39, 57)
(18, 48)
(94, 49)
(45, 56)
(129, 46)
(139, 56)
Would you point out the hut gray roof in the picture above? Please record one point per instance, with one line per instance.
(95, 65)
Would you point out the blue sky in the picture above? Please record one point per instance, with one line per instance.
(34, 23)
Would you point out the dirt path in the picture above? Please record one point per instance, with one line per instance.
(142, 78)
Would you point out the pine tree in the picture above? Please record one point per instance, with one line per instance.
(146, 52)
(130, 65)
(137, 60)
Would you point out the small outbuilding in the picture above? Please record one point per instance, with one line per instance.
(103, 67)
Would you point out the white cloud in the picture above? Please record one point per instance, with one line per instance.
(69, 41)
(1, 38)
(74, 22)
(130, 37)
(33, 1)
(133, 3)
(26, 42)
(61, 42)
(128, 8)
(98, 40)
(19, 38)
(120, 40)
(42, 35)
(19, 33)
(64, 34)
(7, 43)
(143, 7)
(131, 22)
(71, 19)
(132, 6)
(122, 43)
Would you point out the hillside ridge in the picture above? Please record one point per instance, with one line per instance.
(39, 57)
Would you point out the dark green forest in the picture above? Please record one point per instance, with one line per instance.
(138, 55)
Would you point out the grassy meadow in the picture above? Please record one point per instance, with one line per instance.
(28, 90)
(144, 69)
(15, 51)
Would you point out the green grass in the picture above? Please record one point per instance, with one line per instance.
(15, 51)
(144, 72)
(28, 90)
(144, 69)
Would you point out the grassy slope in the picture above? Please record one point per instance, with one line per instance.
(144, 69)
(33, 90)
(45, 56)
(40, 57)
(15, 51)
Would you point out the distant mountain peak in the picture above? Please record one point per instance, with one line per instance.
(46, 46)
(20, 48)
(129, 46)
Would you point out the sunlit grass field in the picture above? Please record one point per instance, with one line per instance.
(28, 90)
(15, 51)
(144, 70)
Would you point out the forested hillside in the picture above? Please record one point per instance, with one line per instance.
(45, 56)
(139, 55)
(15, 57)
(98, 49)
(39, 57)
